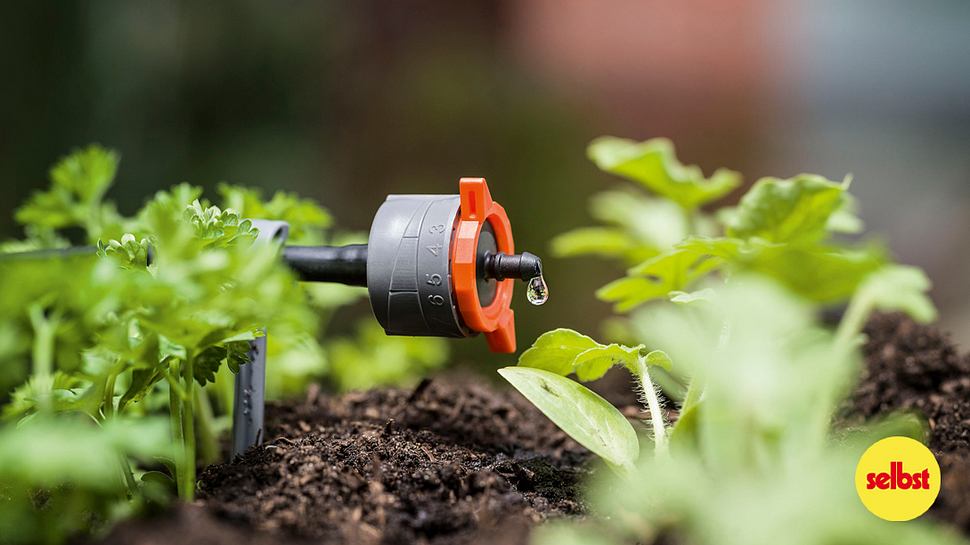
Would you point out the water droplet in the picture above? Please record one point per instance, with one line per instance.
(537, 291)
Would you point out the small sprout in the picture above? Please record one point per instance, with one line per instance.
(580, 412)
(544, 366)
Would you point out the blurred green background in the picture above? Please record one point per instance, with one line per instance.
(347, 102)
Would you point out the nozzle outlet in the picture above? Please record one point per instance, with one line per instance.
(524, 266)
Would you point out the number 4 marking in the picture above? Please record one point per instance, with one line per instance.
(434, 249)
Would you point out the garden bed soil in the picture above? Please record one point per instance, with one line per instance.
(456, 461)
(451, 461)
(917, 369)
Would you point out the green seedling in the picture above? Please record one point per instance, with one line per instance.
(62, 476)
(752, 453)
(580, 412)
(749, 464)
(110, 336)
(782, 228)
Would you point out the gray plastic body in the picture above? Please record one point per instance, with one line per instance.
(409, 266)
(250, 386)
(249, 400)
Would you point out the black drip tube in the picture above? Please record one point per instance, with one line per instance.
(341, 264)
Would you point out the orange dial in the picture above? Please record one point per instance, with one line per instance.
(496, 320)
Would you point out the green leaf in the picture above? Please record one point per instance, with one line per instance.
(207, 362)
(141, 382)
(817, 272)
(684, 435)
(674, 270)
(632, 291)
(569, 532)
(592, 364)
(237, 354)
(305, 217)
(79, 182)
(88, 172)
(601, 241)
(659, 358)
(129, 252)
(654, 165)
(900, 288)
(375, 359)
(164, 480)
(688, 298)
(846, 219)
(656, 223)
(555, 351)
(53, 452)
(580, 412)
(794, 210)
(219, 228)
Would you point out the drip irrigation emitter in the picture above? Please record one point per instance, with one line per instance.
(433, 265)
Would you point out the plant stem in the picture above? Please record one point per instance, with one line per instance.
(108, 407)
(130, 482)
(186, 482)
(175, 418)
(693, 395)
(653, 404)
(43, 351)
(225, 390)
(171, 376)
(852, 323)
(690, 218)
(209, 447)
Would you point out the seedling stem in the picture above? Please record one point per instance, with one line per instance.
(650, 399)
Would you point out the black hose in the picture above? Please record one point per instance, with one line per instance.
(49, 253)
(524, 266)
(341, 264)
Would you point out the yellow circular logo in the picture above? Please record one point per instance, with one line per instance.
(897, 478)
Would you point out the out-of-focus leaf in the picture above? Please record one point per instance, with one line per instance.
(900, 288)
(569, 532)
(674, 270)
(656, 223)
(129, 252)
(48, 453)
(793, 210)
(304, 216)
(817, 272)
(142, 381)
(846, 218)
(375, 359)
(654, 165)
(79, 182)
(217, 227)
(688, 298)
(602, 241)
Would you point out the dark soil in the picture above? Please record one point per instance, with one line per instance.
(455, 461)
(915, 368)
(448, 462)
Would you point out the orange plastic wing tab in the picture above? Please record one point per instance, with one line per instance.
(475, 198)
(496, 320)
(502, 340)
